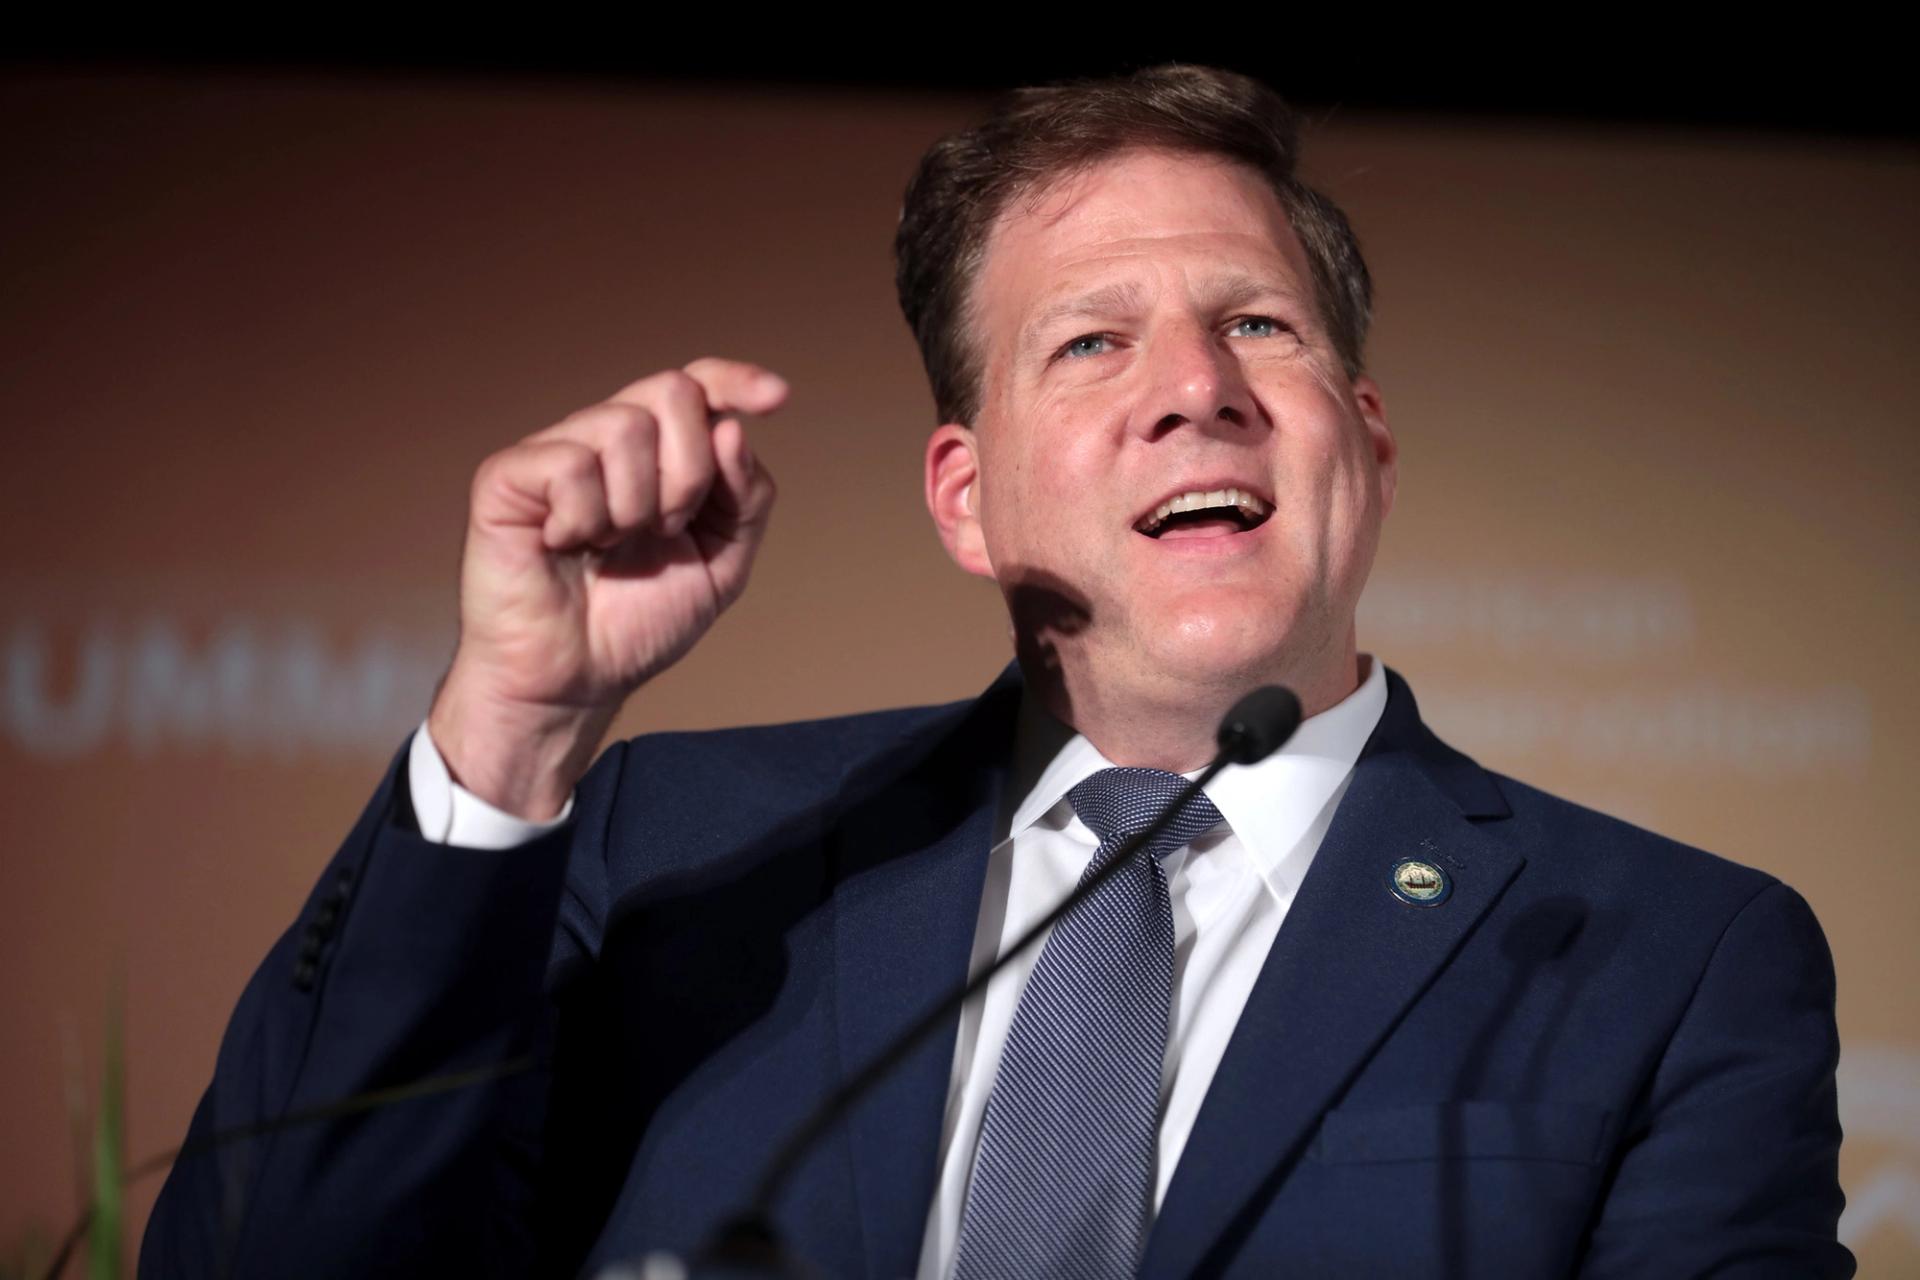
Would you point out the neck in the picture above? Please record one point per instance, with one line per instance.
(1174, 725)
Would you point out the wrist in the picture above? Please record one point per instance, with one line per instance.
(522, 758)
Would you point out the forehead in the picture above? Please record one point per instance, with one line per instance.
(1140, 212)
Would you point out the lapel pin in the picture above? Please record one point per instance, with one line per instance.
(1419, 884)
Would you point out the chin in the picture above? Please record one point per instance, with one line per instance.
(1231, 646)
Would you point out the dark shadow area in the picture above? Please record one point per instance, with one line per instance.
(1757, 79)
(697, 966)
(1044, 609)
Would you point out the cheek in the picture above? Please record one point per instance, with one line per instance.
(1058, 469)
(1332, 444)
(1336, 499)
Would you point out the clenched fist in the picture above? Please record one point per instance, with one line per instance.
(598, 551)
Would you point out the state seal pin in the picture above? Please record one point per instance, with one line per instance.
(1419, 884)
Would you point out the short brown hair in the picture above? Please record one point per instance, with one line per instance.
(1038, 135)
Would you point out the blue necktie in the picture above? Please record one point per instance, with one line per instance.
(1063, 1176)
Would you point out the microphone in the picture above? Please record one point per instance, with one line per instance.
(1259, 724)
(748, 1244)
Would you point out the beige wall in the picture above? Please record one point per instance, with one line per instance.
(1655, 546)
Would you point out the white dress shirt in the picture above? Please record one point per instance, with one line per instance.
(1230, 892)
(448, 813)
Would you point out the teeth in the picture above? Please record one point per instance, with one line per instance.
(1204, 500)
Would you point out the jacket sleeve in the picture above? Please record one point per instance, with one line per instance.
(1731, 1161)
(409, 961)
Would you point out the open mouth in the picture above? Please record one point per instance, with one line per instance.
(1207, 513)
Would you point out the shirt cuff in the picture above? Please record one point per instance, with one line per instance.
(448, 813)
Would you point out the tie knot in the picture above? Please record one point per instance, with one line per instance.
(1118, 803)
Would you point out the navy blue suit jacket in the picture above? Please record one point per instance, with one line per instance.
(1604, 1053)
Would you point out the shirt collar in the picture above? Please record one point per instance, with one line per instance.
(1271, 805)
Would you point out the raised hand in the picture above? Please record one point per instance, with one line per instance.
(598, 552)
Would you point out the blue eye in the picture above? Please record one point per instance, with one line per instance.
(1267, 326)
(1091, 344)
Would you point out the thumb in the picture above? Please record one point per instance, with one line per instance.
(733, 520)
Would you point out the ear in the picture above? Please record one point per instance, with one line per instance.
(953, 497)
(1386, 450)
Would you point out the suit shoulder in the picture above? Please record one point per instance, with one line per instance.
(842, 738)
(1597, 850)
(799, 758)
(689, 801)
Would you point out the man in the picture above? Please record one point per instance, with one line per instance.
(1372, 1010)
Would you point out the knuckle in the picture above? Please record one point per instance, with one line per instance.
(680, 494)
(633, 428)
(577, 463)
(579, 422)
(686, 487)
(492, 468)
(677, 386)
(593, 419)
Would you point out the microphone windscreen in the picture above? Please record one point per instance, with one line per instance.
(1259, 724)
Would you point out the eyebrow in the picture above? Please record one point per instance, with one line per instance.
(1108, 299)
(1224, 292)
(1238, 289)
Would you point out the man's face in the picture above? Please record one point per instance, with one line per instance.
(1148, 335)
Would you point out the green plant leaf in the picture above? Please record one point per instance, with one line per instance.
(109, 1155)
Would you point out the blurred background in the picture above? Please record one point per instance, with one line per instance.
(1645, 338)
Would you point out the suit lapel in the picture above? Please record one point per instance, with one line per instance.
(910, 856)
(1348, 961)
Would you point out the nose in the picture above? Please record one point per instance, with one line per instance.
(1195, 379)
